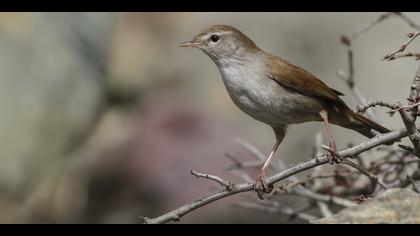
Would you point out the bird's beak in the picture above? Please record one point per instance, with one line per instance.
(190, 44)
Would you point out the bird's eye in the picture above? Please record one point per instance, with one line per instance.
(214, 38)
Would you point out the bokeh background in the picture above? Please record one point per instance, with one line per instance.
(103, 115)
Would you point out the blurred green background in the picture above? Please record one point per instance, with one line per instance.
(103, 115)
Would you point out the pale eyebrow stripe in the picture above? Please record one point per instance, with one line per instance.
(225, 32)
(219, 33)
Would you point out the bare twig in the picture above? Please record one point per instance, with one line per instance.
(408, 20)
(349, 79)
(324, 209)
(391, 56)
(409, 118)
(404, 55)
(259, 156)
(396, 107)
(245, 187)
(369, 26)
(251, 149)
(366, 106)
(236, 164)
(402, 183)
(374, 178)
(217, 179)
(400, 107)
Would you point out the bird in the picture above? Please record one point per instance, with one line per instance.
(273, 91)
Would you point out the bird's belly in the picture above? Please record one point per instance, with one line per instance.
(271, 103)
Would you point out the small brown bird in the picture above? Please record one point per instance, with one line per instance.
(275, 92)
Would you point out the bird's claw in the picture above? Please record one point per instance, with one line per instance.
(261, 187)
(332, 155)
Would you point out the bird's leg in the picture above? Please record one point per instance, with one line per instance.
(332, 151)
(260, 186)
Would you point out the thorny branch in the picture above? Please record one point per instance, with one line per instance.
(395, 169)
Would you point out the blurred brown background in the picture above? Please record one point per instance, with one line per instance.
(103, 115)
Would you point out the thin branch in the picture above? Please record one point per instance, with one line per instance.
(246, 187)
(298, 190)
(350, 81)
(399, 107)
(311, 178)
(411, 36)
(242, 174)
(404, 55)
(304, 208)
(251, 149)
(259, 156)
(414, 135)
(366, 106)
(402, 183)
(241, 165)
(406, 148)
(324, 209)
(408, 20)
(374, 178)
(235, 163)
(409, 118)
(217, 179)
(369, 26)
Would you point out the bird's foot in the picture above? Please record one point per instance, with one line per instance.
(261, 187)
(332, 154)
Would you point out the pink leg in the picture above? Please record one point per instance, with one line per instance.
(332, 154)
(267, 162)
(260, 186)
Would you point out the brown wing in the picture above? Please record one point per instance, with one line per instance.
(297, 78)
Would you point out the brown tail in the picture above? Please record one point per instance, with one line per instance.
(362, 124)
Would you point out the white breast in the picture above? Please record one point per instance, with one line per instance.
(263, 98)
